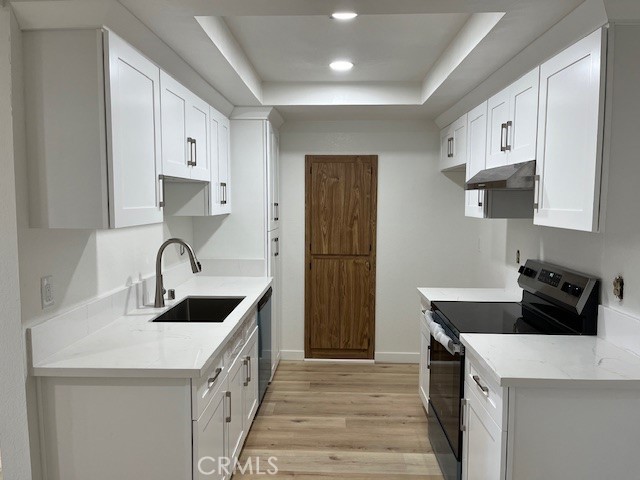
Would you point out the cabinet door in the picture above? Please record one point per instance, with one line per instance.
(174, 100)
(476, 158)
(459, 144)
(497, 118)
(224, 165)
(133, 128)
(569, 160)
(210, 439)
(220, 193)
(523, 127)
(198, 138)
(236, 404)
(484, 451)
(251, 364)
(274, 271)
(273, 173)
(446, 153)
(425, 347)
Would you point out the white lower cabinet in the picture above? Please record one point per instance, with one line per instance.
(541, 429)
(251, 364)
(425, 350)
(484, 446)
(237, 377)
(274, 271)
(210, 439)
(160, 428)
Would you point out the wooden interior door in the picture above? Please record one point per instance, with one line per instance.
(341, 208)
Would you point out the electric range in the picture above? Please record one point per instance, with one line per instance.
(555, 301)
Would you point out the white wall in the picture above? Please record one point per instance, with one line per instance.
(424, 239)
(14, 440)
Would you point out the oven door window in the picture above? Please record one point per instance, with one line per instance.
(445, 392)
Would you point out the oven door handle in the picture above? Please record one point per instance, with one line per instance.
(439, 335)
(447, 342)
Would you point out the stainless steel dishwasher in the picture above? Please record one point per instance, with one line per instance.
(264, 343)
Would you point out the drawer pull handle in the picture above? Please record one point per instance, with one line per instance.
(213, 379)
(484, 389)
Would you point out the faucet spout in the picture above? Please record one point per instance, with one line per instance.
(195, 268)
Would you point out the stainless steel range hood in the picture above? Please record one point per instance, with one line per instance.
(520, 176)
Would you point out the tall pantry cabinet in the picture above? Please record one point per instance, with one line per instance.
(248, 242)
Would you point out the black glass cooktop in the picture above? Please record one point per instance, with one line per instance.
(495, 317)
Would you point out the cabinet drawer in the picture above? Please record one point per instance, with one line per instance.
(489, 393)
(206, 386)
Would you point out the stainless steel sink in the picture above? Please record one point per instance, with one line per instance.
(201, 310)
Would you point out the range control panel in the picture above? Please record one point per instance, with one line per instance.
(550, 278)
(556, 282)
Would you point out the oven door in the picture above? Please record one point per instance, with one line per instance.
(446, 383)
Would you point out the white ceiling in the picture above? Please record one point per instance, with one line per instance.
(413, 57)
(382, 47)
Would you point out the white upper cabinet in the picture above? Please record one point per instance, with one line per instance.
(92, 105)
(220, 159)
(512, 122)
(453, 145)
(476, 158)
(185, 136)
(570, 141)
(133, 123)
(198, 139)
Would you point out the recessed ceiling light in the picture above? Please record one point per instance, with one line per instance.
(341, 65)
(344, 15)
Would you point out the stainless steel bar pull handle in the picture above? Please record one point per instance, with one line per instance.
(195, 153)
(450, 147)
(228, 395)
(245, 362)
(161, 203)
(277, 242)
(507, 145)
(484, 389)
(276, 210)
(503, 139)
(463, 404)
(190, 145)
(536, 192)
(211, 382)
(249, 369)
(223, 187)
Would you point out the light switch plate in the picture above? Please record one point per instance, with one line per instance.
(46, 292)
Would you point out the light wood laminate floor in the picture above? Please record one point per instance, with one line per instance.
(337, 421)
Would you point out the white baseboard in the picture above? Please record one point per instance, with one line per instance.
(380, 357)
(397, 357)
(291, 354)
(340, 360)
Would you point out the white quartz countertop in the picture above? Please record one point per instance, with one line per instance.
(434, 294)
(133, 346)
(554, 360)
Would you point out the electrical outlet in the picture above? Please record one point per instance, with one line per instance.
(46, 292)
